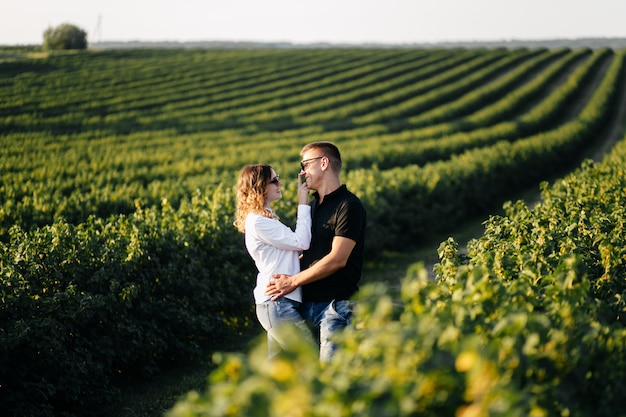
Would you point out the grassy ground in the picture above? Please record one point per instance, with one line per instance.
(153, 397)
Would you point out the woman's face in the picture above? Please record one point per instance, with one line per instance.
(273, 189)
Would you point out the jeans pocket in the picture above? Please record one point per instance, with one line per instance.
(263, 315)
(343, 309)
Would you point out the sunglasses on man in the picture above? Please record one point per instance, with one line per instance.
(305, 163)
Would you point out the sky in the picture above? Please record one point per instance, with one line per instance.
(22, 22)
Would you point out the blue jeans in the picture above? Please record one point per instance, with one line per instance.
(272, 314)
(330, 317)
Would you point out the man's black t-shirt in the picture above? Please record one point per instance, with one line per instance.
(340, 214)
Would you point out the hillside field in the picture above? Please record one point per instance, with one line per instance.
(117, 167)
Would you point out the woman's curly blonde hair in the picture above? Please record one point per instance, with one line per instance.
(251, 193)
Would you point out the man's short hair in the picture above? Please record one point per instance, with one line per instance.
(329, 150)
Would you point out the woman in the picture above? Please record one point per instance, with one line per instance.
(273, 246)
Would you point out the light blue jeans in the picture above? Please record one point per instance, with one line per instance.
(271, 314)
(329, 317)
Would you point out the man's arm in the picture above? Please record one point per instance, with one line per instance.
(329, 264)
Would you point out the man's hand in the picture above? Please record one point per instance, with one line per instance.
(329, 264)
(280, 286)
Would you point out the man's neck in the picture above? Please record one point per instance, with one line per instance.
(328, 188)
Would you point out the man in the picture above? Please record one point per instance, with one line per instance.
(331, 267)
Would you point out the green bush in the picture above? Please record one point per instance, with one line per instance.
(85, 305)
(63, 37)
(473, 346)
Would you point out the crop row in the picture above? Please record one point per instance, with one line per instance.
(58, 102)
(103, 169)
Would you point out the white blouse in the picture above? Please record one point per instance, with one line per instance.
(275, 248)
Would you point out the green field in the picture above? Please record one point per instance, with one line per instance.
(117, 171)
(95, 133)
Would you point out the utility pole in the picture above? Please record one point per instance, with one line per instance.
(97, 33)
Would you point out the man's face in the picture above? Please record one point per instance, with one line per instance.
(311, 166)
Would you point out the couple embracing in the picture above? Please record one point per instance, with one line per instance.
(308, 275)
